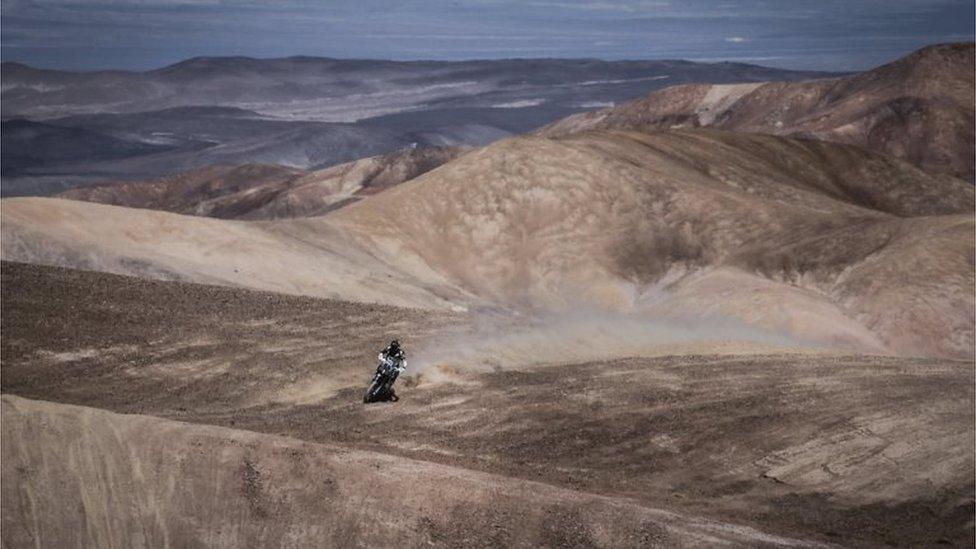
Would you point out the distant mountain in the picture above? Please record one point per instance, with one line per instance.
(346, 90)
(920, 108)
(187, 192)
(329, 189)
(191, 138)
(262, 191)
(27, 145)
(314, 112)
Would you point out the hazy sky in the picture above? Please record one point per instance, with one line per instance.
(143, 34)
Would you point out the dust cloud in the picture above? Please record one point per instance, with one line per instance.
(497, 342)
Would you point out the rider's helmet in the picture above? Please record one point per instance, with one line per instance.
(394, 346)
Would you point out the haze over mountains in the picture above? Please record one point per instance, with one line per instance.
(299, 112)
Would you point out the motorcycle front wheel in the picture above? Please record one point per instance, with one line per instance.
(371, 393)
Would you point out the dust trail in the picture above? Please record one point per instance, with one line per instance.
(496, 343)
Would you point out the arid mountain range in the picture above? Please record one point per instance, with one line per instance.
(860, 110)
(59, 128)
(347, 90)
(920, 108)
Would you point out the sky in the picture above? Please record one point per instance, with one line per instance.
(837, 35)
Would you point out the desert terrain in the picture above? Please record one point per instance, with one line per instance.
(267, 191)
(623, 330)
(819, 241)
(919, 108)
(257, 436)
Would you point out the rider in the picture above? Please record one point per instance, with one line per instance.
(395, 353)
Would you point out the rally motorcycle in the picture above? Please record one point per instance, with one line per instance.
(381, 388)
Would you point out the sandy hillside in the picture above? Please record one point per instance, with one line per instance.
(919, 108)
(214, 487)
(300, 257)
(825, 242)
(748, 443)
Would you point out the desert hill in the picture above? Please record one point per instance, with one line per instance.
(625, 220)
(257, 436)
(254, 490)
(322, 191)
(191, 192)
(842, 246)
(304, 257)
(920, 108)
(258, 191)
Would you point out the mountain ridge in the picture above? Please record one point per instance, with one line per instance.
(267, 191)
(312, 113)
(919, 107)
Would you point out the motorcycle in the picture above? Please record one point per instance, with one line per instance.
(381, 387)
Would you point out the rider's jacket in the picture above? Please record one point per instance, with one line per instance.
(397, 359)
(398, 355)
